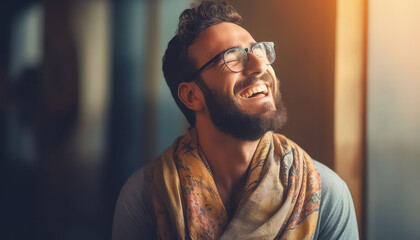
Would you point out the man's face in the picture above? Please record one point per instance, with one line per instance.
(227, 93)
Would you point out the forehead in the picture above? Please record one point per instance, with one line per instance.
(218, 38)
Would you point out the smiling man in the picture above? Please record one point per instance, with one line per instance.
(231, 175)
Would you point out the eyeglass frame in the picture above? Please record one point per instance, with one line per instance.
(193, 76)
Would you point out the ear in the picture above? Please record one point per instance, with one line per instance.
(191, 96)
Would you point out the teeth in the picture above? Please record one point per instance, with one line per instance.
(254, 90)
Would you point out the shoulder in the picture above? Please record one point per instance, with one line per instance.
(331, 182)
(337, 218)
(134, 216)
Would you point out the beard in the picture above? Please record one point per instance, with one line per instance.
(229, 118)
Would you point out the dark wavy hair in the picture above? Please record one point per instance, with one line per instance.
(176, 63)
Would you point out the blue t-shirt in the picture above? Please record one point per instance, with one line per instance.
(134, 216)
(337, 218)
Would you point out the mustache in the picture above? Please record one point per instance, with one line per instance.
(251, 80)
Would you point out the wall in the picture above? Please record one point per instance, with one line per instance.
(393, 116)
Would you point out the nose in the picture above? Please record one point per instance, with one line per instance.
(255, 66)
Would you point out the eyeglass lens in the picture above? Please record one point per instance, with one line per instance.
(236, 59)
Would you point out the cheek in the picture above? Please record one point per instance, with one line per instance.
(225, 82)
(215, 77)
(221, 80)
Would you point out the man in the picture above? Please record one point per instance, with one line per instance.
(230, 176)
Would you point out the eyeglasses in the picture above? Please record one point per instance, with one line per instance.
(236, 58)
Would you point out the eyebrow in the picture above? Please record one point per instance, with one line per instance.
(237, 46)
(252, 44)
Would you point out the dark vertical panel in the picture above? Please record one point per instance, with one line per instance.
(56, 120)
(127, 138)
(5, 29)
(127, 87)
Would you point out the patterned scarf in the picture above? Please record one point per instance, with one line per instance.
(280, 200)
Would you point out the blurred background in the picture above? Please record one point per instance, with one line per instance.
(83, 104)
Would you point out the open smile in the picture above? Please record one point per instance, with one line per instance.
(255, 91)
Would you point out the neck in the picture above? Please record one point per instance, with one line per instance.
(227, 155)
(229, 159)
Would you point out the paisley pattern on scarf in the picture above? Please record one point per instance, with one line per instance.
(280, 200)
